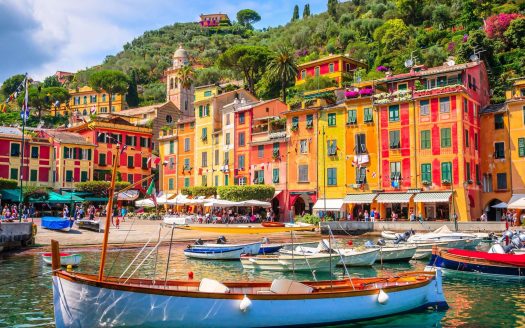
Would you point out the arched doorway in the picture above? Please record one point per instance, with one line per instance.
(299, 206)
(275, 208)
(360, 208)
(494, 214)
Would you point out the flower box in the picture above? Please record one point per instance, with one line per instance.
(366, 92)
(351, 94)
(445, 182)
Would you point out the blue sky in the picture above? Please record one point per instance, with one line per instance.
(43, 36)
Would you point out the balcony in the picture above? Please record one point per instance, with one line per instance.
(393, 97)
(451, 86)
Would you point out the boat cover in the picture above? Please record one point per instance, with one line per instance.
(512, 259)
(55, 223)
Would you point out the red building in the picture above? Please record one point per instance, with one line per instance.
(214, 20)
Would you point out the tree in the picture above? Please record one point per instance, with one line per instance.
(332, 8)
(515, 34)
(496, 25)
(283, 67)
(51, 81)
(9, 86)
(45, 98)
(111, 81)
(411, 10)
(132, 97)
(306, 10)
(441, 16)
(295, 15)
(392, 35)
(249, 61)
(186, 76)
(435, 56)
(247, 17)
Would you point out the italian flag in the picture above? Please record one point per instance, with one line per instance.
(152, 192)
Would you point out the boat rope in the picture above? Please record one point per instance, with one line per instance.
(136, 257)
(342, 259)
(120, 248)
(169, 256)
(156, 257)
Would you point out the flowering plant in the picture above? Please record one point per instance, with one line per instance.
(351, 94)
(496, 25)
(382, 68)
(366, 92)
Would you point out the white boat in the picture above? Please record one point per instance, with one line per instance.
(218, 253)
(424, 250)
(248, 248)
(289, 262)
(65, 259)
(443, 234)
(396, 253)
(389, 235)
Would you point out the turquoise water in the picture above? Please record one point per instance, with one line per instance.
(26, 295)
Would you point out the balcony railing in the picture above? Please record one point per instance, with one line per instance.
(390, 97)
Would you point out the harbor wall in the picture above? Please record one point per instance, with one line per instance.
(14, 235)
(361, 227)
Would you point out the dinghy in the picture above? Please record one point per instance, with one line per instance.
(56, 223)
(219, 253)
(65, 259)
(443, 234)
(289, 262)
(269, 224)
(247, 248)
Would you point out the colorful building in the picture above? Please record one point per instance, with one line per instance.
(338, 67)
(72, 159)
(181, 95)
(105, 132)
(38, 157)
(214, 20)
(85, 101)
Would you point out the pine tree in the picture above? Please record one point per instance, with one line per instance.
(332, 8)
(295, 13)
(132, 97)
(306, 10)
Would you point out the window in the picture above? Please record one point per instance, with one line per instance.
(317, 71)
(303, 74)
(207, 93)
(303, 146)
(144, 142)
(466, 139)
(498, 121)
(465, 105)
(144, 163)
(502, 181)
(331, 146)
(259, 177)
(171, 83)
(275, 176)
(204, 181)
(226, 179)
(424, 108)
(241, 139)
(426, 173)
(295, 123)
(83, 176)
(331, 67)
(475, 141)
(241, 118)
(241, 181)
(331, 174)
(172, 147)
(521, 147)
(425, 139)
(446, 140)
(331, 119)
(446, 172)
(130, 178)
(260, 151)
(395, 170)
(204, 135)
(104, 97)
(275, 151)
(477, 174)
(186, 165)
(226, 157)
(487, 182)
(102, 159)
(368, 115)
(241, 161)
(360, 144)
(130, 162)
(499, 150)
(68, 153)
(393, 113)
(34, 152)
(33, 176)
(228, 119)
(130, 141)
(352, 116)
(216, 157)
(186, 182)
(303, 173)
(227, 138)
(171, 184)
(69, 176)
(468, 176)
(85, 100)
(187, 144)
(310, 120)
(444, 105)
(204, 159)
(15, 149)
(101, 137)
(395, 142)
(169, 119)
(360, 175)
(402, 86)
(13, 174)
(85, 154)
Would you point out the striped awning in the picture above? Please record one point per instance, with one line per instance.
(517, 201)
(359, 198)
(394, 197)
(433, 197)
(335, 205)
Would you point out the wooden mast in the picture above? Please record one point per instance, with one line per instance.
(109, 211)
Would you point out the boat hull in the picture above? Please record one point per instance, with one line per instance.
(269, 248)
(358, 258)
(214, 254)
(92, 304)
(285, 262)
(393, 254)
(73, 259)
(250, 248)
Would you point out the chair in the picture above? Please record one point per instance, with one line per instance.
(287, 286)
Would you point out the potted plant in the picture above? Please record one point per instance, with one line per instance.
(427, 183)
(445, 182)
(366, 92)
(351, 94)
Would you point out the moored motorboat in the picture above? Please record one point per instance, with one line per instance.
(270, 248)
(65, 259)
(443, 234)
(389, 235)
(247, 248)
(88, 225)
(290, 262)
(219, 253)
(269, 224)
(56, 223)
(397, 253)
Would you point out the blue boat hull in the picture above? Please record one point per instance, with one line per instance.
(510, 271)
(56, 223)
(269, 249)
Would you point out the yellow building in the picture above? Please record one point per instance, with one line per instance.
(85, 101)
(337, 67)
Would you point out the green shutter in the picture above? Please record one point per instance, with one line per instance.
(521, 147)
(425, 139)
(426, 172)
(445, 138)
(446, 174)
(200, 111)
(275, 175)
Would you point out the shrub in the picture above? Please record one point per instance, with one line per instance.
(35, 193)
(241, 193)
(308, 218)
(199, 191)
(8, 184)
(100, 187)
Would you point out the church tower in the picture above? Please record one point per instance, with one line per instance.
(180, 95)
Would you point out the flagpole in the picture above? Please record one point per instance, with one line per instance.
(24, 120)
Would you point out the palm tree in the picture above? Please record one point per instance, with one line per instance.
(283, 67)
(186, 76)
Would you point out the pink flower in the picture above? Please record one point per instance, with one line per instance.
(351, 94)
(382, 68)
(366, 92)
(496, 25)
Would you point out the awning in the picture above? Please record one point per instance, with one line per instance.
(73, 197)
(276, 193)
(128, 195)
(500, 205)
(394, 197)
(359, 198)
(58, 199)
(11, 195)
(433, 197)
(517, 201)
(329, 204)
(221, 203)
(255, 202)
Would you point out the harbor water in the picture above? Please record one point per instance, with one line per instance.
(26, 294)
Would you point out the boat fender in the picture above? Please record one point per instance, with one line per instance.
(188, 246)
(350, 243)
(190, 275)
(33, 232)
(246, 303)
(382, 298)
(69, 268)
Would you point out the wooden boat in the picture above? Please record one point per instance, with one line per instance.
(397, 253)
(220, 253)
(248, 248)
(88, 225)
(484, 263)
(269, 224)
(65, 259)
(344, 256)
(56, 223)
(269, 248)
(248, 229)
(289, 262)
(443, 234)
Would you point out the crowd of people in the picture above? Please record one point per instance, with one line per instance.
(222, 215)
(12, 213)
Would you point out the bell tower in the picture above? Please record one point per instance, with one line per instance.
(181, 95)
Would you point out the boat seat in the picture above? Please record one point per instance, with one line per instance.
(212, 286)
(287, 286)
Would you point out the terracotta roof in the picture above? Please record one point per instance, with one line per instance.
(430, 71)
(492, 108)
(64, 137)
(145, 109)
(186, 120)
(10, 131)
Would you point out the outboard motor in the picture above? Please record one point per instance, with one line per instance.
(369, 243)
(507, 234)
(265, 240)
(381, 242)
(199, 242)
(221, 240)
(522, 237)
(508, 248)
(497, 249)
(516, 242)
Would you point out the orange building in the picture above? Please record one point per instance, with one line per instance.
(85, 101)
(337, 67)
